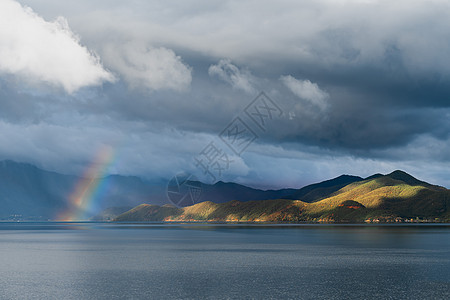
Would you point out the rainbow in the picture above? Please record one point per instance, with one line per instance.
(87, 192)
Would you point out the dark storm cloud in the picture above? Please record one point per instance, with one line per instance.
(358, 80)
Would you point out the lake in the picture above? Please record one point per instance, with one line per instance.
(209, 261)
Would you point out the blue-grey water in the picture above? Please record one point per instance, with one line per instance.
(195, 261)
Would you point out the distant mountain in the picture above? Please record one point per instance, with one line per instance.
(321, 190)
(380, 198)
(31, 192)
(406, 178)
(27, 192)
(397, 194)
(222, 192)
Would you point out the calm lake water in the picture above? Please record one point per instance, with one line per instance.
(194, 261)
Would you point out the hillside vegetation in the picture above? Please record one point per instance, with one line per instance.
(395, 197)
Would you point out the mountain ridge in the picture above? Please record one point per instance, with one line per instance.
(316, 191)
(394, 197)
(28, 192)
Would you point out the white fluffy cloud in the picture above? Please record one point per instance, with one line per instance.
(238, 79)
(153, 68)
(307, 90)
(42, 51)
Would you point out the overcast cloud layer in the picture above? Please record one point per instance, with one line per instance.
(360, 86)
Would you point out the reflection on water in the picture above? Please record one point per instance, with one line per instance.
(141, 261)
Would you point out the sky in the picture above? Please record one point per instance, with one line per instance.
(265, 93)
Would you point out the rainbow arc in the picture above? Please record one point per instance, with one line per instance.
(89, 189)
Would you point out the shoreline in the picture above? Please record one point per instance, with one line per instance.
(226, 223)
